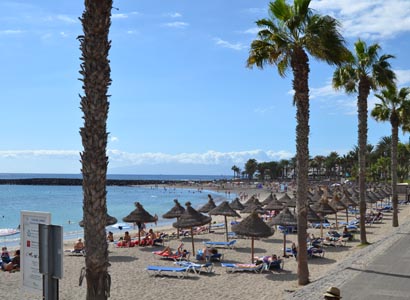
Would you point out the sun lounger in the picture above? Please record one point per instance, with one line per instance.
(229, 244)
(197, 268)
(74, 252)
(231, 268)
(180, 272)
(175, 256)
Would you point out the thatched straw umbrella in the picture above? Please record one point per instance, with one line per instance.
(225, 210)
(338, 205)
(268, 199)
(275, 204)
(139, 216)
(312, 216)
(253, 226)
(175, 212)
(251, 207)
(288, 201)
(236, 204)
(191, 218)
(109, 221)
(207, 208)
(252, 200)
(323, 208)
(284, 218)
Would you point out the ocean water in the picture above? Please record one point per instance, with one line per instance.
(65, 203)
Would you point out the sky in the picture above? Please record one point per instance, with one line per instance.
(182, 99)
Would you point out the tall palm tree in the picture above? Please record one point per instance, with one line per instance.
(367, 71)
(95, 69)
(394, 106)
(286, 38)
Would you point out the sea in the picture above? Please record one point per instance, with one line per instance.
(65, 202)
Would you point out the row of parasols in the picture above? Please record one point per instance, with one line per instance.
(252, 226)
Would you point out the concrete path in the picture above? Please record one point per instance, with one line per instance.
(380, 271)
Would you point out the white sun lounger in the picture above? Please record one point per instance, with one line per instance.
(180, 272)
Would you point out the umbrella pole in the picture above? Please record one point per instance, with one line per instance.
(139, 236)
(177, 229)
(284, 244)
(347, 216)
(337, 225)
(192, 237)
(321, 229)
(226, 228)
(252, 250)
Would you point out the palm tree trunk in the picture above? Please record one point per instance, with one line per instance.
(300, 67)
(394, 142)
(364, 89)
(95, 68)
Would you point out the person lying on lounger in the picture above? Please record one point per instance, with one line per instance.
(168, 252)
(266, 259)
(79, 246)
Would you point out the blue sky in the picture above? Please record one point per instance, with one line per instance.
(183, 101)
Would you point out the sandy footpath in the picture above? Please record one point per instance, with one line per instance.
(130, 280)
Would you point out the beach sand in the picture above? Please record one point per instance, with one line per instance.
(130, 280)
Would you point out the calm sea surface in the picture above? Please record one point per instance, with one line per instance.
(65, 202)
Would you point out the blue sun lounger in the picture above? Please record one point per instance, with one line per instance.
(197, 268)
(231, 268)
(229, 244)
(180, 272)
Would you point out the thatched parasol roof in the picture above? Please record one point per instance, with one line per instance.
(110, 221)
(174, 212)
(253, 207)
(269, 199)
(139, 215)
(224, 209)
(236, 204)
(253, 226)
(275, 204)
(312, 216)
(253, 200)
(324, 208)
(337, 203)
(191, 218)
(284, 218)
(208, 206)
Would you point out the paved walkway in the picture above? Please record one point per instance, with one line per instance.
(378, 272)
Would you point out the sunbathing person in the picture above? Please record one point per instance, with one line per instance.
(110, 237)
(5, 256)
(168, 252)
(79, 246)
(266, 259)
(14, 264)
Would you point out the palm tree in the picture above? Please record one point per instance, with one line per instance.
(286, 38)
(95, 69)
(235, 170)
(394, 106)
(367, 71)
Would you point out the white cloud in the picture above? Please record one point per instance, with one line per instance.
(119, 16)
(132, 32)
(226, 44)
(176, 24)
(174, 15)
(253, 30)
(114, 139)
(207, 158)
(38, 153)
(264, 110)
(66, 19)
(11, 31)
(403, 77)
(368, 19)
(63, 34)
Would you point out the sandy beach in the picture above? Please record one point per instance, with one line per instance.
(130, 280)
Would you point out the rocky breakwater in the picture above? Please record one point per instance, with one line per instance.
(77, 181)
